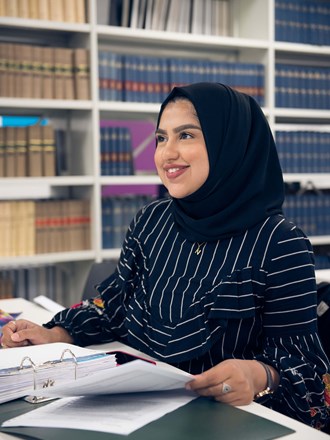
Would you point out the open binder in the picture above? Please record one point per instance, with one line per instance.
(47, 371)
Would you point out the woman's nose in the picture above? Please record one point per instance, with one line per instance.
(171, 151)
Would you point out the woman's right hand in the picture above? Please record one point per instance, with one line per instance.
(22, 332)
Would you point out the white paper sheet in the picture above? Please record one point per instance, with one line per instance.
(135, 376)
(118, 414)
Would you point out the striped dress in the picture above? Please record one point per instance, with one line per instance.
(251, 296)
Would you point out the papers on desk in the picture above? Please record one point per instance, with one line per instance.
(118, 414)
(80, 372)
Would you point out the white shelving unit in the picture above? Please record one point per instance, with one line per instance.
(251, 40)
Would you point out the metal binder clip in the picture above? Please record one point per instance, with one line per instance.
(67, 350)
(33, 365)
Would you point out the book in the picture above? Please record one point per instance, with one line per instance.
(21, 151)
(48, 151)
(59, 369)
(10, 152)
(2, 152)
(34, 151)
(81, 73)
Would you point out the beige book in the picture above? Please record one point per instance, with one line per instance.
(3, 12)
(34, 151)
(19, 228)
(10, 159)
(17, 69)
(23, 8)
(14, 227)
(30, 237)
(11, 70)
(69, 11)
(59, 84)
(68, 78)
(47, 61)
(48, 151)
(43, 9)
(80, 11)
(74, 225)
(33, 9)
(21, 151)
(81, 73)
(2, 151)
(86, 210)
(24, 53)
(56, 10)
(3, 69)
(6, 227)
(66, 234)
(54, 238)
(11, 8)
(37, 72)
(41, 212)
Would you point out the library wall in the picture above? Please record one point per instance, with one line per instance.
(81, 83)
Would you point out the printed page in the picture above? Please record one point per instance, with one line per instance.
(119, 414)
(135, 376)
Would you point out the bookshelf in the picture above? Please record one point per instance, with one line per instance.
(250, 39)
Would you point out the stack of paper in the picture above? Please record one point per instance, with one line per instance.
(26, 370)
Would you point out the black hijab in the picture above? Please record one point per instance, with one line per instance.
(245, 183)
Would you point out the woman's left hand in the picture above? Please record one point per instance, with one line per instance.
(233, 381)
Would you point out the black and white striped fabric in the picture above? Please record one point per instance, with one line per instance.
(252, 296)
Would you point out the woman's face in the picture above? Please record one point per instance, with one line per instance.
(181, 156)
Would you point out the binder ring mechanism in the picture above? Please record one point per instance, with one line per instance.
(49, 382)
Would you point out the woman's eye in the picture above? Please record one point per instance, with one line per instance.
(159, 138)
(185, 135)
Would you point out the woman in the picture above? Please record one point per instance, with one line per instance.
(213, 279)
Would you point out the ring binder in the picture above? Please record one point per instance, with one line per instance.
(26, 371)
(34, 369)
(49, 382)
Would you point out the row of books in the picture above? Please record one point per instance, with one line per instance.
(30, 71)
(27, 151)
(56, 10)
(310, 211)
(210, 17)
(302, 21)
(52, 281)
(117, 214)
(32, 227)
(302, 86)
(322, 261)
(116, 151)
(138, 78)
(303, 151)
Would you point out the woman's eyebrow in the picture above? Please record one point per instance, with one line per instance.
(179, 128)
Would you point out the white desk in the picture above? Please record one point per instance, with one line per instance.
(322, 275)
(37, 314)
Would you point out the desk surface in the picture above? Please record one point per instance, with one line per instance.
(39, 315)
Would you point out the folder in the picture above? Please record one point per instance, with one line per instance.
(47, 371)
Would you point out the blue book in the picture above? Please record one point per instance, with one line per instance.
(22, 121)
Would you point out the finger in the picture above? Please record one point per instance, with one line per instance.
(206, 380)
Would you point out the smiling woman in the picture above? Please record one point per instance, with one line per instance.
(181, 156)
(213, 279)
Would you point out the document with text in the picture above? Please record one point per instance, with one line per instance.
(117, 414)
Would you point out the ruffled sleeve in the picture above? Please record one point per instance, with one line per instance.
(291, 343)
(303, 391)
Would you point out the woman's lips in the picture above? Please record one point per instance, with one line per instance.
(174, 172)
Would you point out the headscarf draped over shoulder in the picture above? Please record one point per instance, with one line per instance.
(245, 182)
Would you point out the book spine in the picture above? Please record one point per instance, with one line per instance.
(48, 151)
(81, 73)
(34, 150)
(21, 151)
(10, 159)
